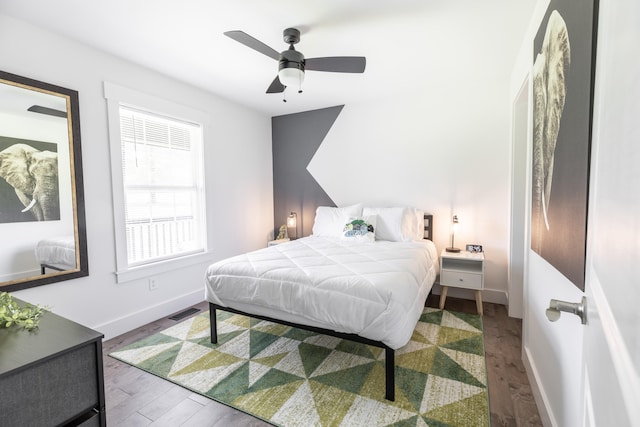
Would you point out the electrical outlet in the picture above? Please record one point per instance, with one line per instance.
(153, 285)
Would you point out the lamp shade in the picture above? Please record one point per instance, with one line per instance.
(291, 76)
(454, 228)
(292, 220)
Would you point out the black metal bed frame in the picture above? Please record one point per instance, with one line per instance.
(43, 268)
(389, 352)
(389, 363)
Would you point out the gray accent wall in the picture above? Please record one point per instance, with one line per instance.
(295, 139)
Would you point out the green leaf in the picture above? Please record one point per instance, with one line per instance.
(12, 314)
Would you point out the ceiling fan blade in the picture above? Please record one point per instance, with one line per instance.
(276, 86)
(337, 64)
(253, 43)
(46, 110)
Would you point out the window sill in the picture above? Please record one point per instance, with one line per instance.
(148, 270)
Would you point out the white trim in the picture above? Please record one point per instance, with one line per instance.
(627, 375)
(116, 96)
(113, 108)
(540, 397)
(516, 283)
(143, 101)
(148, 270)
(19, 275)
(589, 415)
(139, 318)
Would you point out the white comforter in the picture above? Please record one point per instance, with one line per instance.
(57, 252)
(376, 290)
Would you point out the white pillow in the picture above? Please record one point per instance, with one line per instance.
(393, 224)
(419, 224)
(330, 221)
(359, 229)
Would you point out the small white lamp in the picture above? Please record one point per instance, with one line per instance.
(454, 228)
(292, 222)
(291, 77)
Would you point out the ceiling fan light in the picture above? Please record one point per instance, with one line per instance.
(291, 77)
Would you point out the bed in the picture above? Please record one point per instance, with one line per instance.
(367, 282)
(57, 253)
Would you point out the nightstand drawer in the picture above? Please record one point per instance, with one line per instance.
(461, 279)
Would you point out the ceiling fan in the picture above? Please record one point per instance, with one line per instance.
(292, 63)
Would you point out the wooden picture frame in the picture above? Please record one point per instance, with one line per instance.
(37, 111)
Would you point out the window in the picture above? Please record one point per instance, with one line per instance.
(157, 182)
(161, 185)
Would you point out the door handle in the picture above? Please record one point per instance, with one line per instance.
(557, 307)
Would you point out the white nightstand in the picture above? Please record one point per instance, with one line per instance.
(277, 242)
(462, 270)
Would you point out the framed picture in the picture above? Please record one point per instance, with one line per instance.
(27, 165)
(563, 78)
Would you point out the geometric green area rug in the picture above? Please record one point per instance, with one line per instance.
(292, 377)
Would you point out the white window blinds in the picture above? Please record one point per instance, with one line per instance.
(162, 178)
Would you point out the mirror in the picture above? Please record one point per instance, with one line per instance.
(42, 219)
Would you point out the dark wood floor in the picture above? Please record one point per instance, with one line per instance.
(136, 398)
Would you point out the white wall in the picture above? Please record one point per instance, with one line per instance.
(442, 145)
(238, 179)
(446, 159)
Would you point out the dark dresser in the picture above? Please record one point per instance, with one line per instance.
(51, 376)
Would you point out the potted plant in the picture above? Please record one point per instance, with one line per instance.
(11, 313)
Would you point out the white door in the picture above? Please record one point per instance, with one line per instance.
(611, 351)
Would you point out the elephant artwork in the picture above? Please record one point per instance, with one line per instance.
(549, 93)
(33, 175)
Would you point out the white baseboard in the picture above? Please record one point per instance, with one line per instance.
(20, 275)
(488, 295)
(538, 394)
(134, 320)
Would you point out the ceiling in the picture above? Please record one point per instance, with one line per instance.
(412, 47)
